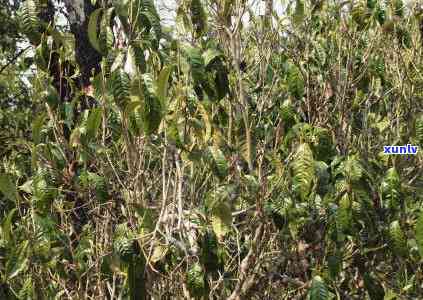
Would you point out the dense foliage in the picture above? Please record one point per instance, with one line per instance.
(229, 156)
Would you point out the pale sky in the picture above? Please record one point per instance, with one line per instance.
(167, 8)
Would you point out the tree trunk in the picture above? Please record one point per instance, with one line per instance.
(86, 56)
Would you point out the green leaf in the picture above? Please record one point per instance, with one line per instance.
(196, 63)
(318, 289)
(93, 123)
(352, 169)
(75, 138)
(50, 96)
(207, 122)
(143, 16)
(304, 171)
(209, 252)
(419, 233)
(151, 111)
(195, 60)
(220, 210)
(210, 54)
(295, 82)
(419, 130)
(398, 240)
(133, 105)
(334, 264)
(373, 287)
(361, 15)
(198, 17)
(288, 115)
(92, 29)
(391, 295)
(220, 164)
(29, 21)
(124, 248)
(36, 128)
(344, 214)
(131, 62)
(221, 219)
(398, 7)
(371, 4)
(122, 8)
(216, 83)
(298, 15)
(195, 280)
(322, 145)
(391, 188)
(100, 184)
(162, 86)
(120, 87)
(6, 228)
(8, 188)
(159, 253)
(182, 19)
(106, 38)
(380, 14)
(41, 56)
(322, 176)
(18, 261)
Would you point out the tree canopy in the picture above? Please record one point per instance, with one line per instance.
(227, 155)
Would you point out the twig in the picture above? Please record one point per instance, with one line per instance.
(240, 212)
(180, 176)
(246, 265)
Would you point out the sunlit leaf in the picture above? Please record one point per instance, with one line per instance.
(93, 123)
(163, 86)
(93, 32)
(419, 233)
(8, 188)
